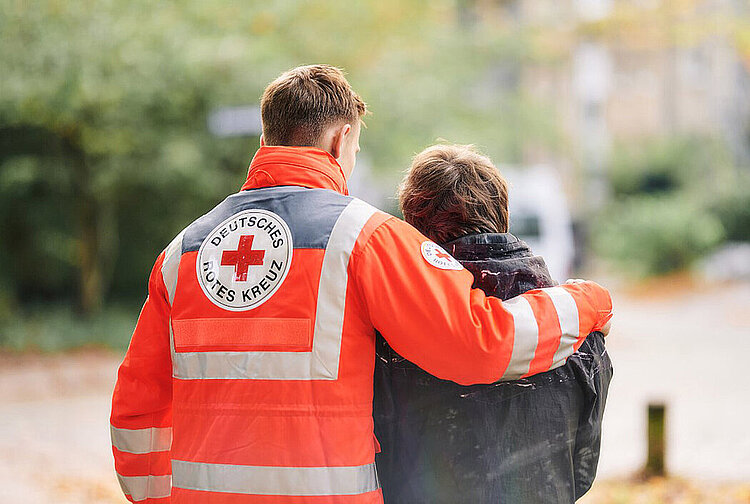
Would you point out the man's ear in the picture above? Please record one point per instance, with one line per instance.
(338, 139)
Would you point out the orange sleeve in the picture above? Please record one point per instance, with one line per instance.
(141, 419)
(434, 318)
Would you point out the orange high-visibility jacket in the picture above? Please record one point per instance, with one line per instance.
(249, 375)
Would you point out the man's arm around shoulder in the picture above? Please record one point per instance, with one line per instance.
(423, 304)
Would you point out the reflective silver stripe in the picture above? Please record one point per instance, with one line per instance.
(169, 270)
(567, 313)
(171, 263)
(329, 315)
(146, 487)
(153, 439)
(525, 337)
(322, 363)
(269, 480)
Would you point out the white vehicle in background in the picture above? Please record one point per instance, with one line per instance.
(539, 216)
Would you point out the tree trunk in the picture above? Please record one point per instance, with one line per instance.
(90, 268)
(90, 284)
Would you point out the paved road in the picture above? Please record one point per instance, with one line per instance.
(54, 430)
(691, 352)
(688, 350)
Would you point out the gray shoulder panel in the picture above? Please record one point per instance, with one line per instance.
(309, 213)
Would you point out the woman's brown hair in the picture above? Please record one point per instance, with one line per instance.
(452, 191)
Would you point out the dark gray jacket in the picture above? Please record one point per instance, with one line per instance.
(531, 441)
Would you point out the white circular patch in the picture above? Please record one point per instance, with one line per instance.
(438, 257)
(245, 259)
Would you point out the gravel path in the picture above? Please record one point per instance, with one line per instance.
(688, 350)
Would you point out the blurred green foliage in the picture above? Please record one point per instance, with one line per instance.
(104, 150)
(54, 328)
(733, 209)
(673, 201)
(663, 166)
(653, 235)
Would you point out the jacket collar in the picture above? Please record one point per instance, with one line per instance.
(487, 246)
(502, 265)
(298, 166)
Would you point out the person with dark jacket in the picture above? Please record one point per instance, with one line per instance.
(532, 440)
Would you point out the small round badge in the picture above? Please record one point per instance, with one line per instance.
(244, 260)
(438, 257)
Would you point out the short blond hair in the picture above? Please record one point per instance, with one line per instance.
(453, 190)
(298, 105)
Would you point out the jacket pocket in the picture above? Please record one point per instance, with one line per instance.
(242, 335)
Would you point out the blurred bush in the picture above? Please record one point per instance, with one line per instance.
(662, 166)
(648, 235)
(733, 210)
(672, 201)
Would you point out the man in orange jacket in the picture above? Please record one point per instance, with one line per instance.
(249, 375)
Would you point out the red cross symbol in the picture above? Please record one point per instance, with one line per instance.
(442, 255)
(243, 257)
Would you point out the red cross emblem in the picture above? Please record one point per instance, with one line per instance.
(442, 255)
(243, 257)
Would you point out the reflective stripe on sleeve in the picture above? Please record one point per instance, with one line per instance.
(172, 255)
(270, 480)
(146, 487)
(525, 337)
(567, 313)
(140, 441)
(169, 270)
(322, 363)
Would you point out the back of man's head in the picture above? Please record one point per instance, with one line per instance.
(301, 103)
(452, 191)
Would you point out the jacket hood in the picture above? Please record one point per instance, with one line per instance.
(503, 266)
